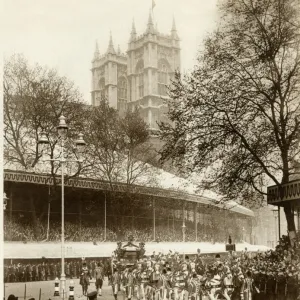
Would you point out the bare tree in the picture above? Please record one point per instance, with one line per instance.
(237, 113)
(120, 150)
(34, 98)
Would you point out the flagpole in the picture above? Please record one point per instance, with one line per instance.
(153, 5)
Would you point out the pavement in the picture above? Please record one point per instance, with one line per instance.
(34, 250)
(47, 290)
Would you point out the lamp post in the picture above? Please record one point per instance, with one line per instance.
(275, 214)
(43, 141)
(183, 231)
(5, 199)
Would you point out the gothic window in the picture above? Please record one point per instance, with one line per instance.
(122, 93)
(102, 88)
(162, 77)
(122, 88)
(140, 78)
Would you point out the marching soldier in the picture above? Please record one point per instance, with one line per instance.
(99, 275)
(257, 283)
(124, 280)
(138, 280)
(130, 284)
(228, 285)
(167, 283)
(156, 282)
(237, 281)
(194, 288)
(85, 278)
(147, 276)
(270, 285)
(281, 284)
(262, 285)
(115, 283)
(292, 289)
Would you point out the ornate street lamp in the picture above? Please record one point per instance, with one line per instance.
(43, 141)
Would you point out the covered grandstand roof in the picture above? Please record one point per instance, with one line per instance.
(163, 184)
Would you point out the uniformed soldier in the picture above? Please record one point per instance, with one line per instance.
(270, 285)
(130, 284)
(237, 281)
(21, 272)
(115, 283)
(67, 268)
(156, 282)
(262, 285)
(292, 289)
(42, 272)
(99, 276)
(5, 273)
(280, 289)
(194, 288)
(29, 272)
(138, 281)
(227, 284)
(124, 280)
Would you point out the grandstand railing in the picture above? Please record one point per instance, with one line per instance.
(87, 183)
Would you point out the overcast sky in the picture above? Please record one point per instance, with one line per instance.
(62, 33)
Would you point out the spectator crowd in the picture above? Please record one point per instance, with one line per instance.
(274, 274)
(88, 232)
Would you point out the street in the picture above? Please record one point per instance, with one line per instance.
(47, 290)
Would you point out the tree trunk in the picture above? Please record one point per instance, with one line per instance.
(289, 214)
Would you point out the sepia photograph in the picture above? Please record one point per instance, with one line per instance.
(150, 150)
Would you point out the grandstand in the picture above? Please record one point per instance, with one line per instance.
(96, 211)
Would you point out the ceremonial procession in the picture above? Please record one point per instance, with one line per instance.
(269, 275)
(151, 150)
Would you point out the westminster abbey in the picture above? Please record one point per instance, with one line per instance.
(138, 78)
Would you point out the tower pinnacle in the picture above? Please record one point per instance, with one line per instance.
(96, 53)
(150, 25)
(133, 31)
(174, 30)
(111, 48)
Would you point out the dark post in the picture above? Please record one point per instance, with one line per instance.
(153, 204)
(10, 203)
(196, 221)
(279, 234)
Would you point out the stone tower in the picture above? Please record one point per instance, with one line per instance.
(109, 77)
(140, 78)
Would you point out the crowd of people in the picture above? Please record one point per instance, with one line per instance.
(88, 232)
(274, 275)
(271, 275)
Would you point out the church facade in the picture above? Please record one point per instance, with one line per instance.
(140, 77)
